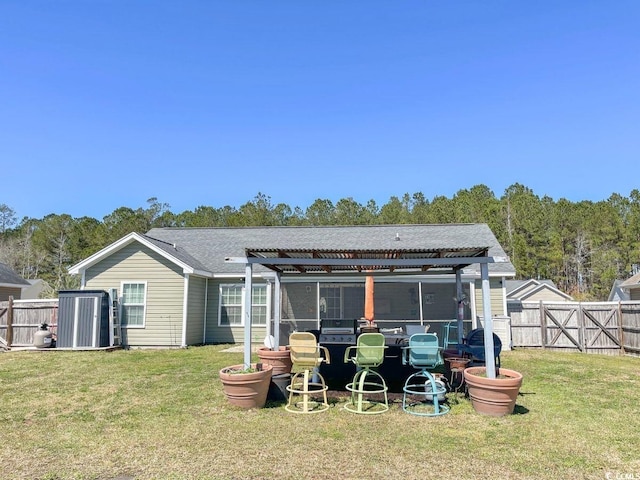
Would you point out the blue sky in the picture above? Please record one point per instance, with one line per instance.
(106, 103)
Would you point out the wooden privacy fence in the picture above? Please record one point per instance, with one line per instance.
(591, 327)
(21, 319)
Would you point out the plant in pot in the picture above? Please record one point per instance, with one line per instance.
(246, 386)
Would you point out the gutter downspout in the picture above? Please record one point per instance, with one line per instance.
(206, 305)
(185, 309)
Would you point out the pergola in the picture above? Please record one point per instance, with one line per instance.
(369, 262)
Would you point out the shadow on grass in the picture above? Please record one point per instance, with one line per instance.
(520, 410)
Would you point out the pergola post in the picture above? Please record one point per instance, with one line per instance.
(248, 287)
(489, 355)
(460, 305)
(277, 310)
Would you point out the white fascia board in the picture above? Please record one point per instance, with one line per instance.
(541, 287)
(528, 284)
(123, 242)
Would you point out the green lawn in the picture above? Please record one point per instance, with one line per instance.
(161, 414)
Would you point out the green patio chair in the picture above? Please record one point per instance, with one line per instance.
(368, 353)
(422, 393)
(306, 382)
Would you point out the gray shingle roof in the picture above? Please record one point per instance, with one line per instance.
(206, 248)
(9, 277)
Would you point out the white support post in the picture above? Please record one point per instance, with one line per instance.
(460, 305)
(490, 360)
(277, 312)
(248, 286)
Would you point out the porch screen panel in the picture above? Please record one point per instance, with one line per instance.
(396, 301)
(299, 301)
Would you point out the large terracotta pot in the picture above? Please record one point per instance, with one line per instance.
(493, 396)
(246, 390)
(279, 359)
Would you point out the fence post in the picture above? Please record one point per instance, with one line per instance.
(620, 329)
(10, 322)
(543, 326)
(582, 327)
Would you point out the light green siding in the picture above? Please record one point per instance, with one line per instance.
(195, 310)
(164, 295)
(497, 298)
(226, 334)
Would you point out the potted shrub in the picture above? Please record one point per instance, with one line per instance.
(246, 387)
(493, 396)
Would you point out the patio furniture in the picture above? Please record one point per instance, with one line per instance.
(307, 383)
(450, 329)
(474, 347)
(367, 354)
(423, 394)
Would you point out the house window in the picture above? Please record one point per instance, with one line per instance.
(133, 301)
(231, 311)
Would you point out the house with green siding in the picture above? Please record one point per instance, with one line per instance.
(176, 286)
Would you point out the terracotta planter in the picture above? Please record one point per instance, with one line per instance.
(457, 363)
(493, 396)
(246, 390)
(279, 359)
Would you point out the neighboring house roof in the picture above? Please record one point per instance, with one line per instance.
(9, 278)
(617, 293)
(203, 250)
(518, 287)
(631, 283)
(34, 289)
(527, 289)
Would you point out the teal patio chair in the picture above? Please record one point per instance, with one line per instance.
(422, 393)
(367, 354)
(450, 335)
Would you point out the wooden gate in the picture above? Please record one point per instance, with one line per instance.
(588, 327)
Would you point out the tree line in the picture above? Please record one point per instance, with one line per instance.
(582, 246)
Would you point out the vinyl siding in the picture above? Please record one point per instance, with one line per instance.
(497, 305)
(226, 334)
(195, 310)
(165, 287)
(545, 295)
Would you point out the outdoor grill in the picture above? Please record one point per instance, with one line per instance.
(338, 331)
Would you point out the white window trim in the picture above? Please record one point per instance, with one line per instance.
(144, 305)
(242, 307)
